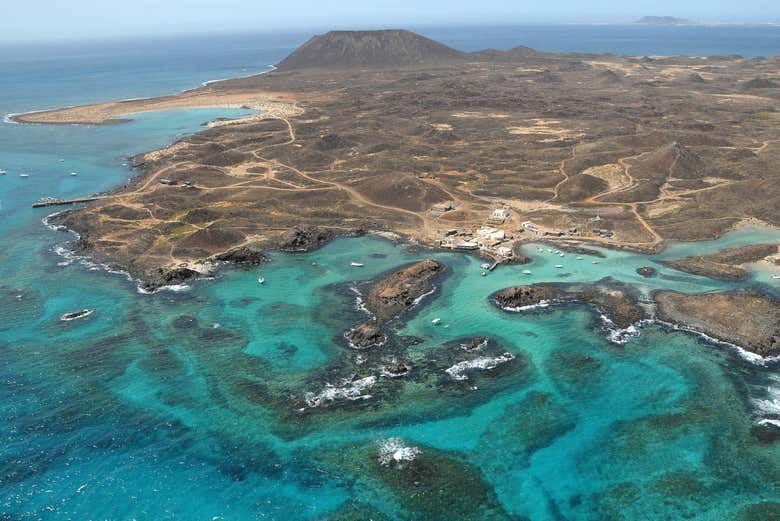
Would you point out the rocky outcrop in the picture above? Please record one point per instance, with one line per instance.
(298, 239)
(397, 292)
(518, 297)
(725, 264)
(646, 271)
(367, 334)
(616, 301)
(243, 255)
(390, 297)
(160, 277)
(749, 320)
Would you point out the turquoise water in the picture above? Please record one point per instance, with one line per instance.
(187, 405)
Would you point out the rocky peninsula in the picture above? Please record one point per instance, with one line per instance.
(726, 264)
(749, 320)
(617, 302)
(391, 296)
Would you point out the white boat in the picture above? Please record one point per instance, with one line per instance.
(526, 272)
(485, 266)
(74, 173)
(559, 266)
(595, 262)
(2, 172)
(549, 250)
(24, 175)
(484, 274)
(356, 264)
(261, 280)
(776, 277)
(76, 314)
(435, 321)
(579, 258)
(561, 254)
(62, 160)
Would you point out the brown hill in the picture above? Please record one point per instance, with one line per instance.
(372, 49)
(677, 160)
(759, 83)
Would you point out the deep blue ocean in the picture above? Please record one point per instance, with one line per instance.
(187, 404)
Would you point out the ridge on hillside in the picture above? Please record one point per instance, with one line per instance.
(375, 49)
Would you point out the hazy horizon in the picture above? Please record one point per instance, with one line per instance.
(84, 20)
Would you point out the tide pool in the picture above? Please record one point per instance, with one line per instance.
(192, 404)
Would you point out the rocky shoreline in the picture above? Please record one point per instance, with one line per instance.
(390, 297)
(725, 264)
(618, 302)
(748, 320)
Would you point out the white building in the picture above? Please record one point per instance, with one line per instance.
(500, 215)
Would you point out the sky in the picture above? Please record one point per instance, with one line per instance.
(52, 20)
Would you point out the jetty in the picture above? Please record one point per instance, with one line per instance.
(59, 202)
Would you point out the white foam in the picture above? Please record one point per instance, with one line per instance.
(621, 336)
(746, 355)
(539, 305)
(359, 304)
(459, 370)
(348, 390)
(395, 451)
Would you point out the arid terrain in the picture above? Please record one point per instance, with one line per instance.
(391, 132)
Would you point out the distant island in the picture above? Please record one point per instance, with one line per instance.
(664, 20)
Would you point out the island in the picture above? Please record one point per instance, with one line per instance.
(389, 132)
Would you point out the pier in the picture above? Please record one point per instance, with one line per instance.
(59, 202)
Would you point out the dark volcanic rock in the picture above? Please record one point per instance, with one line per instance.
(366, 335)
(522, 296)
(646, 271)
(243, 255)
(297, 239)
(473, 344)
(391, 296)
(616, 301)
(160, 277)
(347, 49)
(398, 291)
(749, 320)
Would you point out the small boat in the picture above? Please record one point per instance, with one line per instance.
(559, 266)
(526, 272)
(435, 321)
(485, 266)
(776, 277)
(561, 254)
(24, 175)
(579, 258)
(356, 264)
(74, 173)
(2, 172)
(261, 280)
(595, 262)
(484, 273)
(62, 160)
(76, 314)
(549, 250)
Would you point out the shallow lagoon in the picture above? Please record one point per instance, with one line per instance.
(184, 404)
